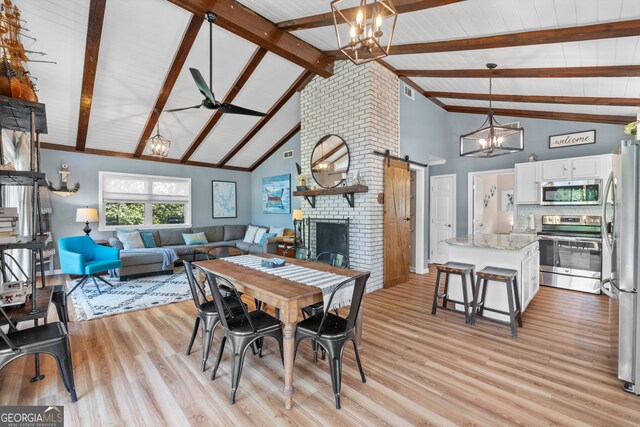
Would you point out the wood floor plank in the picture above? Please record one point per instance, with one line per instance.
(421, 370)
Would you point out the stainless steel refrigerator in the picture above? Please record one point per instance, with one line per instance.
(621, 211)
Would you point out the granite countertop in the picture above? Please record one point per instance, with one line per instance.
(525, 231)
(493, 241)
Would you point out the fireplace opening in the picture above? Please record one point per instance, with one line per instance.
(330, 236)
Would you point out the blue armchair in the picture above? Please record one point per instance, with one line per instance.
(82, 256)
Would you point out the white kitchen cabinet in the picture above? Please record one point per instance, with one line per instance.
(530, 275)
(527, 183)
(554, 170)
(586, 167)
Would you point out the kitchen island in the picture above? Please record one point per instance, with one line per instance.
(516, 252)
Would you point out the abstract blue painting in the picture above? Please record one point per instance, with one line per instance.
(276, 194)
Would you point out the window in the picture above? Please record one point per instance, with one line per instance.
(143, 201)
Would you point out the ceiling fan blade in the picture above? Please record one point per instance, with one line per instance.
(202, 85)
(234, 109)
(182, 109)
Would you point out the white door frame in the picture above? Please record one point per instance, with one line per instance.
(454, 224)
(420, 267)
(470, 192)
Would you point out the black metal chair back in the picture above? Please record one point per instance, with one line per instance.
(335, 259)
(215, 284)
(300, 252)
(356, 300)
(197, 290)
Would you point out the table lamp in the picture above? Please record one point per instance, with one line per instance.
(297, 221)
(87, 215)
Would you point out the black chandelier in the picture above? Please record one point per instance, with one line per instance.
(492, 139)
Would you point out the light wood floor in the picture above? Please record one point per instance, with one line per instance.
(132, 369)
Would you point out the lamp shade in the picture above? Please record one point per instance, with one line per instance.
(297, 214)
(86, 215)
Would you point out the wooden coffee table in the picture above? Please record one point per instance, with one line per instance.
(210, 251)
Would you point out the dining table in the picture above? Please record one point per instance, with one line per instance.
(287, 295)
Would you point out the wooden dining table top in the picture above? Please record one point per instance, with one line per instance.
(270, 284)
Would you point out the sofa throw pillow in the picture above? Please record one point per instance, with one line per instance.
(147, 239)
(250, 235)
(279, 231)
(266, 237)
(195, 239)
(259, 234)
(130, 239)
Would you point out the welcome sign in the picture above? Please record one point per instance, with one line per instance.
(570, 139)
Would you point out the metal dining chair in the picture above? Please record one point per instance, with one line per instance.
(50, 338)
(335, 259)
(299, 252)
(241, 330)
(333, 332)
(207, 315)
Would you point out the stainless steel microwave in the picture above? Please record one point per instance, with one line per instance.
(587, 192)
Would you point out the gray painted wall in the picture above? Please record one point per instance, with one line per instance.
(536, 140)
(423, 132)
(275, 165)
(84, 169)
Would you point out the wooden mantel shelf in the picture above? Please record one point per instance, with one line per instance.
(347, 192)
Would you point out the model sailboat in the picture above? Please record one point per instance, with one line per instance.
(15, 81)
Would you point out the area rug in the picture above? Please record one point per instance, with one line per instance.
(130, 295)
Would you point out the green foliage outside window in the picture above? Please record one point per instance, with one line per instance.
(125, 213)
(168, 213)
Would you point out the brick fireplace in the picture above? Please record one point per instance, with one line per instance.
(359, 104)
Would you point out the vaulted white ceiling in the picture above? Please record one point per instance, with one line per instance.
(140, 38)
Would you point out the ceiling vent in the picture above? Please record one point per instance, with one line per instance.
(288, 154)
(409, 92)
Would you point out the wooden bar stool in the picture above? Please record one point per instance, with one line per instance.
(506, 276)
(460, 269)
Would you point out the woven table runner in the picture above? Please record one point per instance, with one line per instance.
(307, 276)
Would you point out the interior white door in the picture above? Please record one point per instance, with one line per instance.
(442, 216)
(478, 204)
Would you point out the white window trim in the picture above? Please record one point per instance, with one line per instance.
(102, 225)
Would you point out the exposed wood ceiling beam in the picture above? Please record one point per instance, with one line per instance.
(528, 38)
(233, 92)
(565, 72)
(91, 52)
(119, 154)
(578, 100)
(297, 86)
(276, 147)
(326, 19)
(411, 83)
(179, 58)
(549, 115)
(242, 21)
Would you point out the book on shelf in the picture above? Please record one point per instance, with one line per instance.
(8, 211)
(10, 239)
(6, 229)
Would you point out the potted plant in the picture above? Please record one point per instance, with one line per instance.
(632, 128)
(302, 182)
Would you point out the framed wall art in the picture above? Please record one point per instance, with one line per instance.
(276, 194)
(224, 199)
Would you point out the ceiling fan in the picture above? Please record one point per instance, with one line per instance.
(209, 102)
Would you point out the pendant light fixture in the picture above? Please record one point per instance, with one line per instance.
(364, 32)
(492, 139)
(158, 145)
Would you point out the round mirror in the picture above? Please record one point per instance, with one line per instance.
(330, 161)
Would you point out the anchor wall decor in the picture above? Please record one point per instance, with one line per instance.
(64, 190)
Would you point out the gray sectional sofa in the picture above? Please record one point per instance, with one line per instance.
(138, 264)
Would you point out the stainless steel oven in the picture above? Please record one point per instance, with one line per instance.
(571, 252)
(586, 192)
